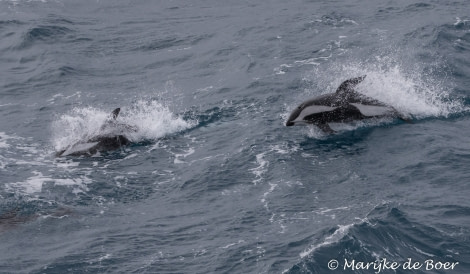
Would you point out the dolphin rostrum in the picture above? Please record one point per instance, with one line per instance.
(345, 105)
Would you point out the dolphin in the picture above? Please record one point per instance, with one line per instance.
(111, 137)
(12, 218)
(345, 105)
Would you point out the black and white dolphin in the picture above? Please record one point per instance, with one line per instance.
(345, 105)
(111, 136)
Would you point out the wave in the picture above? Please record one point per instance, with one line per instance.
(386, 233)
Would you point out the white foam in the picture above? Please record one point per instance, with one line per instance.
(57, 96)
(284, 148)
(333, 238)
(424, 253)
(35, 183)
(323, 211)
(153, 120)
(205, 89)
(3, 162)
(460, 22)
(408, 93)
(261, 168)
(315, 132)
(410, 89)
(30, 153)
(282, 69)
(272, 186)
(4, 139)
(232, 244)
(180, 156)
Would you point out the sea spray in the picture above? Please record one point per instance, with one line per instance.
(417, 91)
(151, 119)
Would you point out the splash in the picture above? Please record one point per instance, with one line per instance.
(152, 120)
(412, 93)
(416, 90)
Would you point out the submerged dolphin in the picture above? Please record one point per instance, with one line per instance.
(345, 105)
(12, 218)
(110, 137)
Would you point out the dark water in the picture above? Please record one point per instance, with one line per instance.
(214, 182)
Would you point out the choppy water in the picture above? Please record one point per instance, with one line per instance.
(214, 182)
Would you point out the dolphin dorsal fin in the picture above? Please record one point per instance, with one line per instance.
(348, 85)
(115, 113)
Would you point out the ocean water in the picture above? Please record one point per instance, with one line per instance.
(213, 181)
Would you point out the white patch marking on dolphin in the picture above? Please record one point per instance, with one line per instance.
(368, 110)
(312, 110)
(78, 148)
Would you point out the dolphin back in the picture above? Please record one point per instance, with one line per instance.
(344, 105)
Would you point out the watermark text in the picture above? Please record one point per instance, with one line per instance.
(383, 264)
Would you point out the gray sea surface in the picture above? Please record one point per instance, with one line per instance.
(214, 182)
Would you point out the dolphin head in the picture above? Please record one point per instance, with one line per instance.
(294, 115)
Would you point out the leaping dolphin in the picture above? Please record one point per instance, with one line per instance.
(111, 136)
(345, 105)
